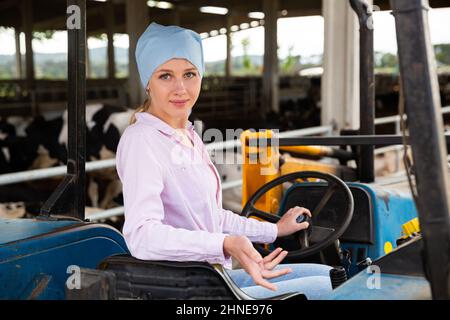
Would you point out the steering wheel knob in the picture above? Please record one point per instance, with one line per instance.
(303, 218)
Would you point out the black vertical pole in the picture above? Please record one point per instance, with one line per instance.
(367, 87)
(77, 108)
(426, 136)
(69, 197)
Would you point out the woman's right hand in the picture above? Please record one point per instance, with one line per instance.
(260, 269)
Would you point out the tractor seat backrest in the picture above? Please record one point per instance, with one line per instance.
(165, 280)
(174, 280)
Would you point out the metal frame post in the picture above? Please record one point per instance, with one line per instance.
(426, 135)
(69, 196)
(367, 88)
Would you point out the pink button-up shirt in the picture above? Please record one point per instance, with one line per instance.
(173, 197)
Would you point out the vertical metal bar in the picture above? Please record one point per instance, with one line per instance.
(423, 107)
(69, 197)
(77, 109)
(110, 22)
(397, 151)
(367, 87)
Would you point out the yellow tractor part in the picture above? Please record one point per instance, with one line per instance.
(410, 227)
(291, 164)
(315, 151)
(260, 165)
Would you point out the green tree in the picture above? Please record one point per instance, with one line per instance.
(288, 64)
(442, 53)
(43, 35)
(387, 60)
(247, 63)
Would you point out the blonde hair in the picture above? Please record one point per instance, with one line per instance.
(142, 108)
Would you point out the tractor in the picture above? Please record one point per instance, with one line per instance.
(383, 243)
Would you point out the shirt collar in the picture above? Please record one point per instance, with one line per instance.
(159, 124)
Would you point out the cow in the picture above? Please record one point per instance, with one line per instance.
(12, 210)
(104, 126)
(23, 140)
(24, 144)
(34, 143)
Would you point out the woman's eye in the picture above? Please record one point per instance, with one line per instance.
(165, 76)
(190, 74)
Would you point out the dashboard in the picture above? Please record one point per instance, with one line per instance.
(308, 195)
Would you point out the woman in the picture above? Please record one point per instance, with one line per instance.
(172, 191)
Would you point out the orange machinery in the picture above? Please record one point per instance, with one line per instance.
(263, 162)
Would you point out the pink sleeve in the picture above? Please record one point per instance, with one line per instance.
(256, 231)
(147, 237)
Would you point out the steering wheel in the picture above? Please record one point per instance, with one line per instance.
(334, 184)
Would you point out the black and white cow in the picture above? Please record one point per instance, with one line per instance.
(35, 143)
(104, 126)
(28, 143)
(12, 210)
(23, 141)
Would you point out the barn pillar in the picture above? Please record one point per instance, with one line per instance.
(270, 76)
(228, 61)
(340, 79)
(137, 20)
(110, 22)
(88, 62)
(19, 68)
(27, 26)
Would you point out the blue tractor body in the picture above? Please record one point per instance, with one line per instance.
(365, 286)
(379, 214)
(391, 209)
(35, 255)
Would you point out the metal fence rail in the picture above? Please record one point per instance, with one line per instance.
(397, 148)
(39, 174)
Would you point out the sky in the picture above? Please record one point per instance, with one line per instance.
(306, 43)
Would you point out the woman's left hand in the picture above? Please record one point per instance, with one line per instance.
(288, 224)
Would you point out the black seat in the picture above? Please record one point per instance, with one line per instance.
(138, 279)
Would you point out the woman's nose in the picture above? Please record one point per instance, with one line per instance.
(179, 86)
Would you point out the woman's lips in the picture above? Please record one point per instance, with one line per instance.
(179, 103)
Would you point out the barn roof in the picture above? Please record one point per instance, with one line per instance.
(51, 14)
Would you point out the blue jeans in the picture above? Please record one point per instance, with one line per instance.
(313, 280)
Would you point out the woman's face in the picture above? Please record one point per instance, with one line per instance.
(174, 88)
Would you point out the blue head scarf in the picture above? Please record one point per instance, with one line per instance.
(158, 44)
